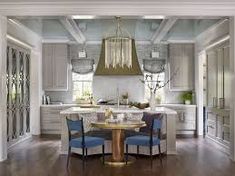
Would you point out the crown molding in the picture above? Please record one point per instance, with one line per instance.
(105, 8)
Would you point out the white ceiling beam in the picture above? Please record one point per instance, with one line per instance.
(199, 17)
(55, 40)
(163, 29)
(73, 29)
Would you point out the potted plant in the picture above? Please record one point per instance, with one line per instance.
(187, 97)
(125, 98)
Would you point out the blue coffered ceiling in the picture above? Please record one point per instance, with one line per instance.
(139, 28)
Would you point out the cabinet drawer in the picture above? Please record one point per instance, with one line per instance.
(211, 117)
(190, 116)
(185, 126)
(186, 119)
(226, 120)
(51, 110)
(51, 126)
(226, 134)
(219, 131)
(211, 129)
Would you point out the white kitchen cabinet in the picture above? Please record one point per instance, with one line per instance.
(218, 125)
(51, 118)
(186, 118)
(218, 79)
(181, 65)
(227, 78)
(55, 67)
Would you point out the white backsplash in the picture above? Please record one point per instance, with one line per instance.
(105, 87)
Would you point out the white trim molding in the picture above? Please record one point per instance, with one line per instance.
(232, 78)
(17, 41)
(3, 94)
(115, 7)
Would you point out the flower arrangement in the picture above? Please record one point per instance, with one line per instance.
(108, 113)
(155, 85)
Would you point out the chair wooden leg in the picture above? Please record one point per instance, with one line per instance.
(86, 152)
(103, 153)
(126, 153)
(151, 155)
(160, 153)
(138, 149)
(68, 157)
(83, 154)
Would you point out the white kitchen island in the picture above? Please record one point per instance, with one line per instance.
(91, 113)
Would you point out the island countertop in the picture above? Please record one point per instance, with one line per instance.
(76, 110)
(170, 122)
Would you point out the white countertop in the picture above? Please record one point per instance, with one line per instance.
(58, 105)
(77, 110)
(172, 104)
(77, 105)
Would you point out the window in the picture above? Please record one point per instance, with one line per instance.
(160, 92)
(82, 85)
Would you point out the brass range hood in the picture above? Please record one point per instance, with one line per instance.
(101, 70)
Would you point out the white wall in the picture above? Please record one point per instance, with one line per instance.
(105, 87)
(25, 35)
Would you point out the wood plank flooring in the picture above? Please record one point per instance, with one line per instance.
(40, 156)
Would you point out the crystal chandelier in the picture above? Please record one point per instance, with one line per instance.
(118, 48)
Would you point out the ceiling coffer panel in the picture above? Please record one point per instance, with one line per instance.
(118, 70)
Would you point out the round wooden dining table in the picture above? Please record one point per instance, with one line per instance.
(117, 157)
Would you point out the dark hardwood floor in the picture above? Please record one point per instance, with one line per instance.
(41, 157)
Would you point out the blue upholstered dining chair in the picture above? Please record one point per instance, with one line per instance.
(149, 140)
(82, 142)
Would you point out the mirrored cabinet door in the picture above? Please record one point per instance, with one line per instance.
(18, 93)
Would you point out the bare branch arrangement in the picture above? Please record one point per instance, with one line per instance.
(155, 85)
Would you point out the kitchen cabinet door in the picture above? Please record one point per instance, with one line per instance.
(186, 119)
(55, 67)
(227, 79)
(60, 67)
(211, 78)
(219, 127)
(220, 74)
(181, 59)
(47, 61)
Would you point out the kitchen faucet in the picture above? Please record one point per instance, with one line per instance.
(118, 100)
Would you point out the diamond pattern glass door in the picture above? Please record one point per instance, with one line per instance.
(18, 86)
